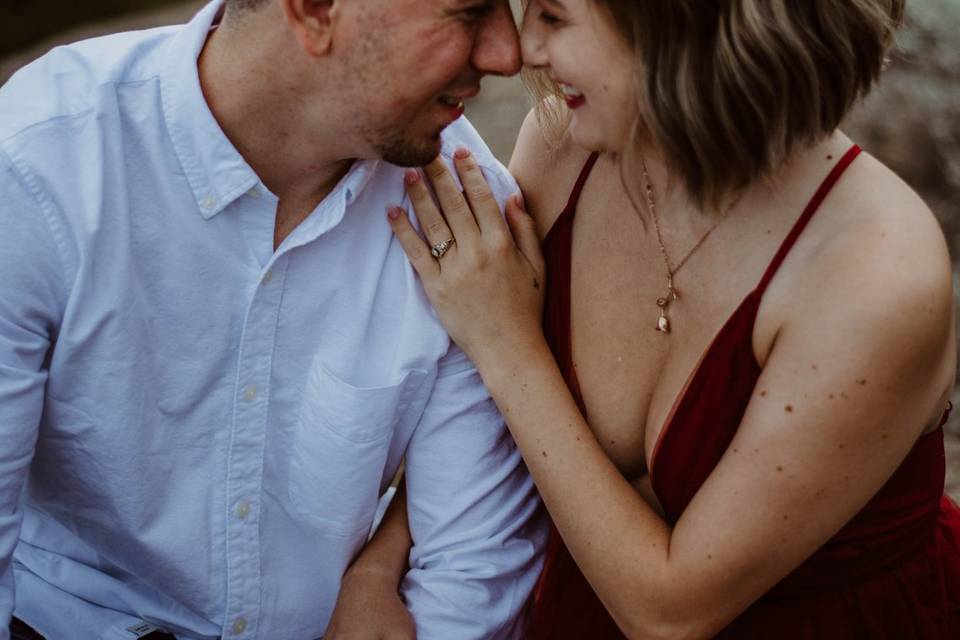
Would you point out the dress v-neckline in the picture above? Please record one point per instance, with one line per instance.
(565, 221)
(681, 397)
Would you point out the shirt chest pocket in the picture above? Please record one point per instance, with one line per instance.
(340, 448)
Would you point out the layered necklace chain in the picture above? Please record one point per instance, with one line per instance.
(672, 295)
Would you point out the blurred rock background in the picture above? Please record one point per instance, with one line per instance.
(911, 122)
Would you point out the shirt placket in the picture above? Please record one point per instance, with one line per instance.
(246, 454)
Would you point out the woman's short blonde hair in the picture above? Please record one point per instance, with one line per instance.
(728, 88)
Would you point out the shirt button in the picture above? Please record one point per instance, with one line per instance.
(208, 202)
(250, 393)
(267, 278)
(254, 192)
(243, 509)
(239, 626)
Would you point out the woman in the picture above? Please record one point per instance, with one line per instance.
(733, 410)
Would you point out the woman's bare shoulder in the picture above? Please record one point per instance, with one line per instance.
(545, 170)
(877, 254)
(872, 232)
(880, 222)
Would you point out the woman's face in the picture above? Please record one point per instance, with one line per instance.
(575, 42)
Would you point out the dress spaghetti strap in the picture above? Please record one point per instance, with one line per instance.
(556, 252)
(825, 187)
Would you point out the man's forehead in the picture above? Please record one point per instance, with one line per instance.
(436, 3)
(406, 18)
(404, 5)
(460, 4)
(399, 9)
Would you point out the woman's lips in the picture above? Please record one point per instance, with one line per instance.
(571, 95)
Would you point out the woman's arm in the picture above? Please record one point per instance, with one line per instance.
(538, 166)
(369, 606)
(857, 370)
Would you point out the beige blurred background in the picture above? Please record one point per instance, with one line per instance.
(912, 122)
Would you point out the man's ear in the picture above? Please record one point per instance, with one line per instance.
(312, 22)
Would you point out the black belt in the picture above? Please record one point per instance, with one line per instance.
(20, 630)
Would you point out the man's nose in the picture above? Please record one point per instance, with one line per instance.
(497, 48)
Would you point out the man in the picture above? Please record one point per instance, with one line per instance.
(213, 353)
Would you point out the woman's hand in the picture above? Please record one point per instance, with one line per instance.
(369, 608)
(487, 286)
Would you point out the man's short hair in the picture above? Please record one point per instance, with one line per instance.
(244, 5)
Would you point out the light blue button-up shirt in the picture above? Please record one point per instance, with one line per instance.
(195, 428)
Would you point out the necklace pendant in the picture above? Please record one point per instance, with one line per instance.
(663, 323)
(672, 293)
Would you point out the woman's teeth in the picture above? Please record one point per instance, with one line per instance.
(569, 91)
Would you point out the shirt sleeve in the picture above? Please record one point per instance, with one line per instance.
(31, 288)
(475, 517)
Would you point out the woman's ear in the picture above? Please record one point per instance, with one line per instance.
(312, 22)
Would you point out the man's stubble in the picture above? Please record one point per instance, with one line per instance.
(391, 139)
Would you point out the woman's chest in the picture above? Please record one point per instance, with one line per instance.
(631, 376)
(622, 363)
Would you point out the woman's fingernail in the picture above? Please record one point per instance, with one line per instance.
(462, 153)
(518, 198)
(411, 176)
(394, 213)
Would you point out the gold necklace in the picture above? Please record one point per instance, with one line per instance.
(672, 295)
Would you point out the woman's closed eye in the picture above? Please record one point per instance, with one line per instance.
(545, 14)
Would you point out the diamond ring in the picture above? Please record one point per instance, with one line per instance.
(439, 249)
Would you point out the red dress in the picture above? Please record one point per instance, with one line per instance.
(892, 572)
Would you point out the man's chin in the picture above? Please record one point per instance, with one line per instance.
(407, 152)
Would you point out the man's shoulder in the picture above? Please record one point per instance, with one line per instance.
(463, 133)
(73, 80)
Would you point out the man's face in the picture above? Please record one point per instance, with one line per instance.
(411, 63)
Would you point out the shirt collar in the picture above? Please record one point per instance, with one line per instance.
(331, 211)
(216, 171)
(357, 179)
